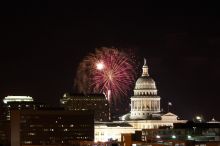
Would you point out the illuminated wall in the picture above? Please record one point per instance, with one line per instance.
(111, 131)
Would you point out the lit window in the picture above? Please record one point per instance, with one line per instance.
(65, 129)
(46, 130)
(28, 142)
(173, 136)
(31, 133)
(158, 136)
(51, 129)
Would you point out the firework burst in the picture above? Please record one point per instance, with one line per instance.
(107, 71)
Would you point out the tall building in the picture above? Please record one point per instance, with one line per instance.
(10, 103)
(4, 126)
(51, 127)
(19, 102)
(145, 101)
(95, 102)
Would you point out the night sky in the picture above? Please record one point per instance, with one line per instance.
(43, 43)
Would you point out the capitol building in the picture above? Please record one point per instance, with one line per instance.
(145, 112)
(145, 101)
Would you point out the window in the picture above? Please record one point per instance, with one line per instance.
(28, 142)
(46, 129)
(31, 133)
(65, 129)
(51, 129)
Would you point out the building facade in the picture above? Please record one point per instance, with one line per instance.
(51, 127)
(95, 102)
(181, 134)
(109, 131)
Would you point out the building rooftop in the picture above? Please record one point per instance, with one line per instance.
(80, 95)
(17, 99)
(113, 124)
(191, 124)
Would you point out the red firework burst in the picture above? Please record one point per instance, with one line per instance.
(107, 71)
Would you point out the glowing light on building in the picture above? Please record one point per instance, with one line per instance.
(173, 136)
(17, 99)
(158, 136)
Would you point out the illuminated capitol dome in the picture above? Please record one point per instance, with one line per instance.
(145, 101)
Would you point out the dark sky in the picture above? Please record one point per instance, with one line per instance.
(43, 43)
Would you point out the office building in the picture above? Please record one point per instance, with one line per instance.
(51, 127)
(95, 102)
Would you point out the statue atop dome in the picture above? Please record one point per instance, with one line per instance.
(145, 69)
(145, 62)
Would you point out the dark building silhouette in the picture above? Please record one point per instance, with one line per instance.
(4, 126)
(14, 103)
(51, 127)
(185, 134)
(95, 102)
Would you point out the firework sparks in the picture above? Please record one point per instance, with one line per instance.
(100, 66)
(107, 71)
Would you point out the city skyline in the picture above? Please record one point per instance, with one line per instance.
(43, 44)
